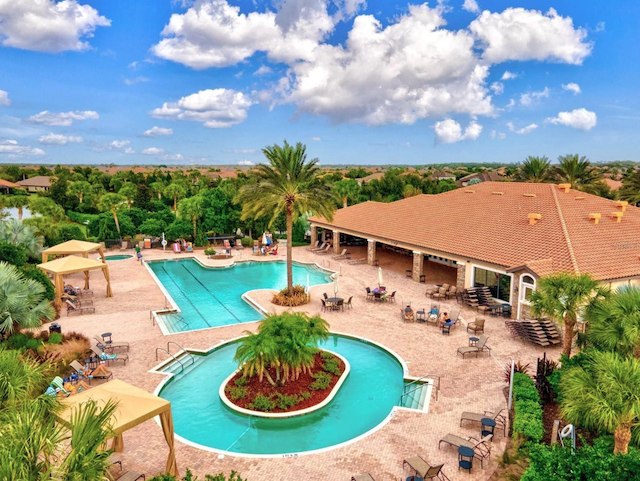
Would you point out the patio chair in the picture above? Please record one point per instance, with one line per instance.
(75, 308)
(109, 357)
(434, 313)
(455, 316)
(82, 372)
(362, 477)
(324, 294)
(342, 255)
(441, 294)
(407, 314)
(478, 348)
(497, 415)
(392, 297)
(481, 448)
(369, 294)
(348, 304)
(451, 292)
(315, 246)
(131, 476)
(112, 345)
(324, 305)
(377, 297)
(476, 326)
(429, 292)
(423, 469)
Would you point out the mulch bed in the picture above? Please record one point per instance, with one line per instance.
(551, 412)
(291, 388)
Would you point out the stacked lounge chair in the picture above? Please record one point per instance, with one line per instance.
(542, 332)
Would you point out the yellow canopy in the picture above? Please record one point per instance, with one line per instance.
(73, 247)
(71, 265)
(135, 406)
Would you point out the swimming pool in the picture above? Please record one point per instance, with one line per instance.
(367, 397)
(118, 257)
(212, 297)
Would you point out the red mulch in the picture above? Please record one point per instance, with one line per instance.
(291, 388)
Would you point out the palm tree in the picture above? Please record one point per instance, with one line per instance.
(614, 323)
(22, 301)
(14, 232)
(111, 203)
(575, 170)
(604, 395)
(346, 189)
(175, 190)
(79, 188)
(289, 184)
(630, 190)
(534, 169)
(192, 209)
(18, 202)
(254, 354)
(129, 192)
(158, 188)
(562, 297)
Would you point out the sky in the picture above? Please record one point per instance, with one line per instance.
(359, 82)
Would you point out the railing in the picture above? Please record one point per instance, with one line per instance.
(171, 356)
(177, 317)
(184, 351)
(433, 377)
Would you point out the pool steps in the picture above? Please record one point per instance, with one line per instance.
(414, 395)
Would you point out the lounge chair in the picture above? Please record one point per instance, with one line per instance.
(76, 291)
(131, 476)
(481, 346)
(481, 448)
(343, 255)
(113, 459)
(476, 326)
(361, 260)
(362, 477)
(325, 251)
(75, 308)
(424, 470)
(497, 415)
(109, 357)
(112, 345)
(77, 301)
(315, 246)
(323, 246)
(82, 372)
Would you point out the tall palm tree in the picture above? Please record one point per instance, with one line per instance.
(346, 189)
(289, 184)
(79, 189)
(192, 209)
(630, 190)
(17, 202)
(22, 301)
(534, 169)
(255, 354)
(158, 188)
(604, 395)
(176, 190)
(563, 297)
(614, 323)
(14, 232)
(111, 203)
(575, 170)
(129, 192)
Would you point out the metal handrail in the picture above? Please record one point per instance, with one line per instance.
(171, 356)
(432, 377)
(193, 360)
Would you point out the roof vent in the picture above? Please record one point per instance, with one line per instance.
(528, 195)
(617, 216)
(595, 218)
(534, 218)
(470, 191)
(622, 205)
(564, 187)
(579, 197)
(497, 193)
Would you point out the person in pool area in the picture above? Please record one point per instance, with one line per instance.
(408, 313)
(445, 319)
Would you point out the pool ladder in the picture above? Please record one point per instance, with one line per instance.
(168, 351)
(405, 393)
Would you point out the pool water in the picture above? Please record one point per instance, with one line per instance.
(212, 297)
(368, 395)
(118, 257)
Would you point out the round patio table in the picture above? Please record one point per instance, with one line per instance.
(488, 426)
(465, 458)
(473, 341)
(379, 290)
(106, 335)
(335, 300)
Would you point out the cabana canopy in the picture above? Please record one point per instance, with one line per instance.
(135, 406)
(73, 247)
(71, 265)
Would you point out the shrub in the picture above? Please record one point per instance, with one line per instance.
(241, 381)
(332, 366)
(297, 297)
(32, 272)
(326, 355)
(262, 403)
(286, 402)
(67, 232)
(55, 338)
(209, 252)
(80, 218)
(189, 477)
(322, 381)
(13, 254)
(178, 229)
(236, 392)
(305, 395)
(247, 242)
(528, 411)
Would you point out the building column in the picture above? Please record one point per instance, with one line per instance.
(336, 242)
(418, 264)
(371, 252)
(314, 234)
(461, 276)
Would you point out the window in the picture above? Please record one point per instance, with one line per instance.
(499, 284)
(527, 286)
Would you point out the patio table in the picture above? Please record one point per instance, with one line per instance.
(106, 337)
(473, 341)
(379, 290)
(495, 309)
(335, 300)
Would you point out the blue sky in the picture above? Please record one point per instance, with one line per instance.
(359, 82)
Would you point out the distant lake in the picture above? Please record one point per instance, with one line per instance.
(13, 212)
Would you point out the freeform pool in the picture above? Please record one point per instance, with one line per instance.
(212, 297)
(118, 257)
(367, 397)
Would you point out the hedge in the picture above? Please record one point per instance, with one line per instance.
(81, 218)
(528, 410)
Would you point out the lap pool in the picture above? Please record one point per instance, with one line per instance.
(367, 397)
(212, 297)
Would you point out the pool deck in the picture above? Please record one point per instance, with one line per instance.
(467, 385)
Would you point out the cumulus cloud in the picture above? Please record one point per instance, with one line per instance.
(47, 25)
(62, 118)
(497, 135)
(449, 131)
(13, 149)
(581, 119)
(123, 146)
(216, 108)
(58, 139)
(152, 151)
(524, 130)
(316, 139)
(572, 87)
(4, 99)
(157, 131)
(508, 75)
(172, 157)
(263, 70)
(520, 34)
(246, 162)
(135, 80)
(497, 87)
(530, 98)
(471, 6)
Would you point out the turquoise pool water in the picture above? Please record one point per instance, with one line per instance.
(118, 257)
(213, 297)
(371, 390)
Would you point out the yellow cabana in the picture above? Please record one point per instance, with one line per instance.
(135, 406)
(73, 247)
(71, 265)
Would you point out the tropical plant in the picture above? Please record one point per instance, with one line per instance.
(18, 202)
(563, 297)
(129, 192)
(534, 169)
(157, 188)
(14, 232)
(175, 190)
(255, 354)
(111, 203)
(79, 189)
(47, 208)
(630, 190)
(346, 189)
(575, 170)
(289, 184)
(191, 208)
(604, 395)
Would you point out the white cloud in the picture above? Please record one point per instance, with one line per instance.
(14, 149)
(471, 6)
(519, 34)
(497, 87)
(216, 108)
(57, 139)
(449, 131)
(508, 75)
(263, 70)
(171, 157)
(242, 151)
(581, 119)
(510, 105)
(152, 151)
(246, 162)
(572, 87)
(600, 26)
(497, 135)
(316, 139)
(62, 118)
(531, 97)
(135, 80)
(47, 25)
(4, 99)
(157, 131)
(524, 130)
(119, 145)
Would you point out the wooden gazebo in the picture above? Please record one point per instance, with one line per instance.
(73, 247)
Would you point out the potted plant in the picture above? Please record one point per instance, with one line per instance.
(209, 252)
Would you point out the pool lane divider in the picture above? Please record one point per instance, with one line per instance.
(185, 296)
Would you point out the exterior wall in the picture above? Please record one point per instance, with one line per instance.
(461, 277)
(418, 264)
(336, 242)
(371, 252)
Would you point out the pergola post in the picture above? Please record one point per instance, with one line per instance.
(418, 265)
(371, 252)
(314, 234)
(59, 287)
(336, 242)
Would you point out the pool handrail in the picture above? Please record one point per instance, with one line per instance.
(419, 380)
(184, 351)
(171, 356)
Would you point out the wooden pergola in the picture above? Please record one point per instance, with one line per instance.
(73, 247)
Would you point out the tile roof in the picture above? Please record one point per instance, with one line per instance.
(613, 184)
(37, 181)
(6, 183)
(477, 223)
